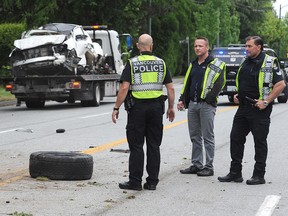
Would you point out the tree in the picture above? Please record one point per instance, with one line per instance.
(122, 16)
(24, 11)
(251, 12)
(221, 21)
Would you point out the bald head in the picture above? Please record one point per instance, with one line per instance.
(145, 43)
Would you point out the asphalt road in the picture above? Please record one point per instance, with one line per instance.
(90, 130)
(7, 103)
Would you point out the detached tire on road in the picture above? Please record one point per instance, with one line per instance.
(61, 165)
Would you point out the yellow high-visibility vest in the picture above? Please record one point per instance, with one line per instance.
(265, 77)
(212, 72)
(147, 73)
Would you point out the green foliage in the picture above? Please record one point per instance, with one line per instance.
(5, 71)
(221, 21)
(275, 33)
(5, 95)
(166, 43)
(121, 16)
(8, 33)
(229, 24)
(208, 13)
(251, 12)
(32, 13)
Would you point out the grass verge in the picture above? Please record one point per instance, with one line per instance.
(5, 95)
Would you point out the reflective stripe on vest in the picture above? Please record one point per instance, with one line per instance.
(147, 74)
(265, 77)
(212, 72)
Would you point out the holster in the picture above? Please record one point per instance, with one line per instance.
(129, 102)
(163, 99)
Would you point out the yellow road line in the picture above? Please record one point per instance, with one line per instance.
(122, 141)
(104, 146)
(11, 180)
(15, 176)
(100, 148)
(226, 109)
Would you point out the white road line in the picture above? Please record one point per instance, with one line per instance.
(92, 116)
(6, 131)
(84, 117)
(268, 206)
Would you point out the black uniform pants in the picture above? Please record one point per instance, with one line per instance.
(145, 121)
(250, 119)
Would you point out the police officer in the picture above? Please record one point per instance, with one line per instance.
(258, 83)
(145, 75)
(203, 82)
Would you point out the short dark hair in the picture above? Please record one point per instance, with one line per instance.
(257, 40)
(203, 38)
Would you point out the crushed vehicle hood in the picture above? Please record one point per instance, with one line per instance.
(31, 42)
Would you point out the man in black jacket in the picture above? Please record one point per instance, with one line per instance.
(203, 82)
(259, 81)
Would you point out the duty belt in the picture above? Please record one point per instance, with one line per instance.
(146, 100)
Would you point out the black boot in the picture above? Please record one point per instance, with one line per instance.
(236, 177)
(255, 180)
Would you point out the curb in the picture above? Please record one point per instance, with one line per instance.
(178, 79)
(7, 103)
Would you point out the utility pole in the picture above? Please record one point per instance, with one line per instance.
(150, 20)
(279, 42)
(188, 48)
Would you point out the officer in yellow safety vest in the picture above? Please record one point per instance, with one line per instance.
(141, 87)
(259, 81)
(203, 82)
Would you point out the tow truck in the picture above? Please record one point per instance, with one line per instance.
(52, 71)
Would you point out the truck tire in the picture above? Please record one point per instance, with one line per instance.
(35, 104)
(96, 95)
(71, 100)
(61, 165)
(85, 103)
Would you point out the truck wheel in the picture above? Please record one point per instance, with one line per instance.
(96, 95)
(71, 101)
(35, 104)
(61, 165)
(85, 103)
(61, 101)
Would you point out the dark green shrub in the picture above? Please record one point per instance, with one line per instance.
(8, 33)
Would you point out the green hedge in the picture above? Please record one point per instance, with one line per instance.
(8, 33)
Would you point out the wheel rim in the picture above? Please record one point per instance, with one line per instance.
(96, 96)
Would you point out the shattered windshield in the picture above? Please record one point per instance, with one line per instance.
(62, 28)
(40, 33)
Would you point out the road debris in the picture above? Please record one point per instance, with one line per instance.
(120, 150)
